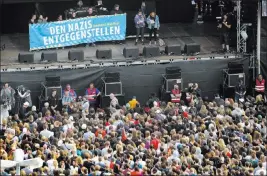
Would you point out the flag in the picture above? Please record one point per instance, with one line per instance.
(123, 135)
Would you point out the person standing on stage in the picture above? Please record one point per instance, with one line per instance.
(116, 10)
(153, 26)
(225, 27)
(91, 13)
(140, 24)
(92, 93)
(260, 86)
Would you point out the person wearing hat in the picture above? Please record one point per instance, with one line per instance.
(116, 10)
(140, 24)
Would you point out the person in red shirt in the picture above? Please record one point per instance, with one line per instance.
(154, 142)
(260, 86)
(136, 172)
(71, 91)
(176, 94)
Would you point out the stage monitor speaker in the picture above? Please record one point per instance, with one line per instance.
(104, 54)
(234, 68)
(192, 48)
(47, 91)
(112, 77)
(131, 52)
(50, 56)
(173, 72)
(151, 51)
(173, 50)
(52, 81)
(233, 79)
(113, 87)
(26, 57)
(105, 100)
(76, 55)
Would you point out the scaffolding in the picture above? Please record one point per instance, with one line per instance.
(241, 28)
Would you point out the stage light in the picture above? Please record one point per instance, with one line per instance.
(244, 35)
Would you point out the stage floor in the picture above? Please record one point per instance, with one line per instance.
(204, 34)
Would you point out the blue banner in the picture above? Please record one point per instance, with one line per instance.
(77, 31)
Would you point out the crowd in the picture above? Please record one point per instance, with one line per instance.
(220, 137)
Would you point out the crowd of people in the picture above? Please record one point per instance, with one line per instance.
(191, 136)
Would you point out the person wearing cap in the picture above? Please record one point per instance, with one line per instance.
(92, 93)
(140, 24)
(116, 10)
(71, 91)
(133, 103)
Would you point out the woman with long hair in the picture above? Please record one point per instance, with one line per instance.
(153, 26)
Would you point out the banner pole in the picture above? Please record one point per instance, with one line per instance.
(259, 37)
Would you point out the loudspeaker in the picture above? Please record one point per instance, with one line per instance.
(192, 48)
(173, 72)
(50, 56)
(26, 57)
(52, 81)
(111, 77)
(76, 55)
(131, 52)
(104, 54)
(151, 51)
(173, 49)
(114, 87)
(105, 100)
(234, 68)
(47, 91)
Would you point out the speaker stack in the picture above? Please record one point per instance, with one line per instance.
(172, 76)
(232, 75)
(51, 83)
(111, 85)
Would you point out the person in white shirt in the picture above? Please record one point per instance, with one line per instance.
(46, 133)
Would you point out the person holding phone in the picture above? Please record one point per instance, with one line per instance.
(153, 26)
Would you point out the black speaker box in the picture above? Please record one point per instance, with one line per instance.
(112, 77)
(151, 51)
(131, 52)
(50, 56)
(173, 72)
(192, 48)
(173, 49)
(26, 57)
(105, 100)
(52, 81)
(76, 55)
(104, 54)
(235, 68)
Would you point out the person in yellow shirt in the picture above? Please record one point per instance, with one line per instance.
(133, 103)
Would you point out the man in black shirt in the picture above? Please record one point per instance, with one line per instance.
(101, 10)
(225, 27)
(91, 12)
(240, 90)
(116, 10)
(53, 101)
(33, 19)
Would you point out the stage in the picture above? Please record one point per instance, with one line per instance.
(177, 33)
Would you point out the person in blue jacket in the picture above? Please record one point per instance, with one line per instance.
(153, 26)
